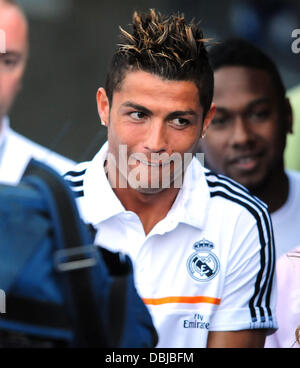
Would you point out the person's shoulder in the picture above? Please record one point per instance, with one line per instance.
(224, 189)
(33, 149)
(27, 143)
(78, 170)
(293, 175)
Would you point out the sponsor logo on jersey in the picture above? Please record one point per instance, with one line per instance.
(203, 265)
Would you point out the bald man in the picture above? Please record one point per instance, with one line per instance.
(15, 149)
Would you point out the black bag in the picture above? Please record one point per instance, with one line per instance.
(61, 290)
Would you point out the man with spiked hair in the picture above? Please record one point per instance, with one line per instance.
(15, 149)
(201, 246)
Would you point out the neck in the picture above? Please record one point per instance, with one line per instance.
(274, 190)
(151, 208)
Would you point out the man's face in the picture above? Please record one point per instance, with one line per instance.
(154, 118)
(246, 138)
(12, 63)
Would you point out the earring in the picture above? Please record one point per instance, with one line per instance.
(203, 135)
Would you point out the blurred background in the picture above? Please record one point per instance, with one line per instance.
(72, 41)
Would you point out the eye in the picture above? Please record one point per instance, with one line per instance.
(180, 122)
(9, 61)
(137, 115)
(259, 115)
(220, 121)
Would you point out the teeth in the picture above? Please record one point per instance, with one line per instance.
(153, 163)
(245, 160)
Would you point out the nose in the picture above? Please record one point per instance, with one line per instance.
(156, 138)
(241, 134)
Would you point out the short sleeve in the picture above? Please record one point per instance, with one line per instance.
(249, 293)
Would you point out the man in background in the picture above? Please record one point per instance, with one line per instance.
(247, 136)
(15, 149)
(246, 141)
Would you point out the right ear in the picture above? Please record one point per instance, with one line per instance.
(103, 106)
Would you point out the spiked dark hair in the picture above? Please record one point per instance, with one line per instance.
(167, 47)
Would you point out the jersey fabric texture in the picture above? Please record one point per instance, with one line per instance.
(288, 303)
(16, 152)
(207, 266)
(286, 220)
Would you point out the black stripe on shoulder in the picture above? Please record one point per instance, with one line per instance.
(75, 183)
(78, 194)
(261, 215)
(75, 173)
(222, 178)
(226, 178)
(76, 187)
(243, 195)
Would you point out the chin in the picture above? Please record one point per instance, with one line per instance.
(251, 183)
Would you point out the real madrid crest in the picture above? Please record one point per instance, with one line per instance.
(203, 265)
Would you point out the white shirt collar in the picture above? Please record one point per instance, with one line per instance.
(100, 200)
(4, 129)
(101, 203)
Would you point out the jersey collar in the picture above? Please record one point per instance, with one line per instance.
(101, 202)
(4, 127)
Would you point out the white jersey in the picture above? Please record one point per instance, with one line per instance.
(207, 266)
(16, 152)
(286, 220)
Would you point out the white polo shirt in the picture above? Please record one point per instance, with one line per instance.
(207, 266)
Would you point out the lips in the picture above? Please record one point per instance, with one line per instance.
(246, 162)
(156, 161)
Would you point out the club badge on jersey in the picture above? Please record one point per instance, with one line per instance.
(203, 265)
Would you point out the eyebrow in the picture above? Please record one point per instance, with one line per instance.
(178, 114)
(252, 104)
(172, 115)
(137, 107)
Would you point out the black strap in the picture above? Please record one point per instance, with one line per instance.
(118, 293)
(117, 308)
(88, 328)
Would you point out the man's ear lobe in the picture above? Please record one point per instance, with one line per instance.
(103, 106)
(208, 118)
